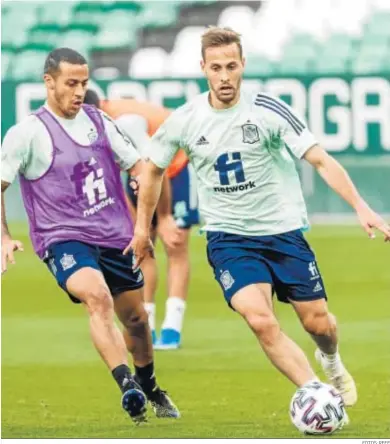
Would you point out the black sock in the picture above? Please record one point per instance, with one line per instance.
(145, 377)
(122, 376)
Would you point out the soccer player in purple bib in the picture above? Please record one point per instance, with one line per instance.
(68, 156)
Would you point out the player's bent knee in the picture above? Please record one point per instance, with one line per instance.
(319, 323)
(135, 320)
(99, 300)
(265, 326)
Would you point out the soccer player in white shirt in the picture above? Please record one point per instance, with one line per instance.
(242, 147)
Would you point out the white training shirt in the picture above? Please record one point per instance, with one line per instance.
(136, 128)
(27, 147)
(244, 162)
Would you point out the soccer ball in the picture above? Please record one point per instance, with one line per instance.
(318, 409)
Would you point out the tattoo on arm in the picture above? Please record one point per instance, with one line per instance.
(4, 226)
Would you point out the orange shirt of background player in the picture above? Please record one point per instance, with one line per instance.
(155, 115)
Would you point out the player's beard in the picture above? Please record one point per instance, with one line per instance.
(64, 105)
(231, 97)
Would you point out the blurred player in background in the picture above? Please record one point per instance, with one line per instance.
(242, 146)
(140, 120)
(68, 155)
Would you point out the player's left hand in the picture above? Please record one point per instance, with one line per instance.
(370, 220)
(142, 246)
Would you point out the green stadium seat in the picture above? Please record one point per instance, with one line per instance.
(28, 65)
(134, 7)
(293, 65)
(366, 65)
(155, 14)
(6, 59)
(370, 59)
(386, 63)
(378, 24)
(301, 46)
(25, 10)
(90, 6)
(109, 38)
(336, 53)
(90, 12)
(374, 50)
(120, 20)
(119, 31)
(298, 55)
(330, 65)
(15, 27)
(77, 39)
(339, 43)
(10, 37)
(55, 12)
(372, 39)
(43, 33)
(258, 65)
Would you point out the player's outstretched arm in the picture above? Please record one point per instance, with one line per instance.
(8, 245)
(149, 194)
(167, 228)
(338, 179)
(164, 145)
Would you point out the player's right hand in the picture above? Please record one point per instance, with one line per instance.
(141, 246)
(8, 246)
(134, 184)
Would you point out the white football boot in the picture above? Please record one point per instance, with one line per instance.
(340, 379)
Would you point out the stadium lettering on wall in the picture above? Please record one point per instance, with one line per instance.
(347, 114)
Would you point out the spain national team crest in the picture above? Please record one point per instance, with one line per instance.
(93, 136)
(67, 261)
(227, 280)
(250, 133)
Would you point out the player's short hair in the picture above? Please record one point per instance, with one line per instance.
(91, 98)
(215, 36)
(58, 55)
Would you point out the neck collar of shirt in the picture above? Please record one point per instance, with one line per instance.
(231, 109)
(59, 118)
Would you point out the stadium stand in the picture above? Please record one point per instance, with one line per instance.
(151, 39)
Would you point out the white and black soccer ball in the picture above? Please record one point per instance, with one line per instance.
(318, 409)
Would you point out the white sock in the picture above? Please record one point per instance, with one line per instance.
(333, 360)
(150, 308)
(174, 314)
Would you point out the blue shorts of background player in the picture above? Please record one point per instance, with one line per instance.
(285, 261)
(184, 199)
(185, 213)
(65, 258)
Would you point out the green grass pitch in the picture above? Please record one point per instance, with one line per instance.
(55, 386)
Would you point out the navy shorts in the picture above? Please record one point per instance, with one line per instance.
(65, 258)
(286, 261)
(184, 199)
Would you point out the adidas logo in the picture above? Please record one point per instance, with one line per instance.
(202, 141)
(318, 287)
